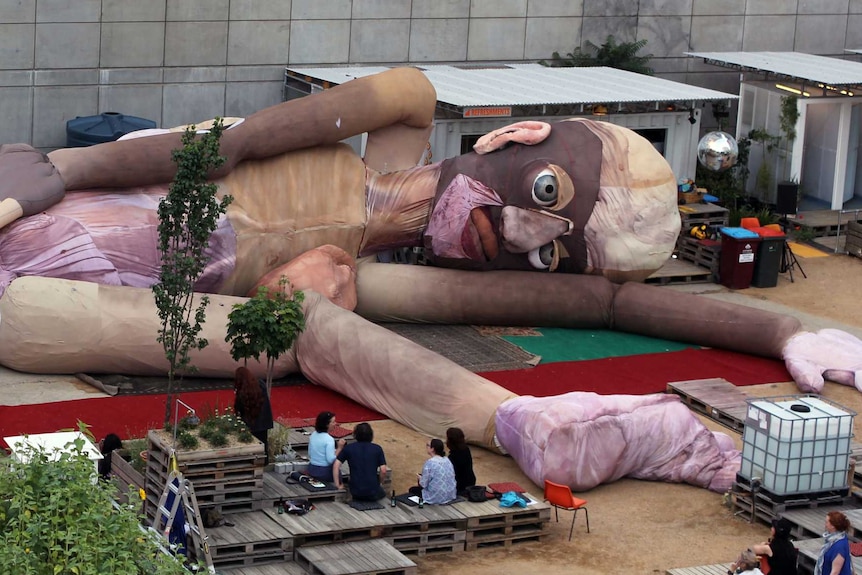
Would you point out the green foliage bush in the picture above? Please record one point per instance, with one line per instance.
(56, 519)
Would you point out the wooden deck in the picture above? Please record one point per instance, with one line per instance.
(824, 222)
(717, 569)
(263, 537)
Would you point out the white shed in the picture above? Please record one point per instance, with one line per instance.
(472, 100)
(825, 156)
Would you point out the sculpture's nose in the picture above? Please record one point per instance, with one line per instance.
(523, 229)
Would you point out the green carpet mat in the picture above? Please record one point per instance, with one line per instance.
(558, 344)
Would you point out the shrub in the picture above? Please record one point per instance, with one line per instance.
(56, 519)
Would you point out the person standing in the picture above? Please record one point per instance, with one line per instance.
(252, 405)
(461, 458)
(437, 480)
(322, 448)
(367, 465)
(834, 558)
(779, 551)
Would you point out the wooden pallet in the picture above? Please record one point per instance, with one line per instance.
(356, 558)
(253, 539)
(275, 487)
(284, 568)
(703, 253)
(715, 398)
(676, 271)
(808, 523)
(759, 505)
(489, 514)
(717, 569)
(428, 542)
(698, 214)
(853, 239)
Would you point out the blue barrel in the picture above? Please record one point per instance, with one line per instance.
(89, 130)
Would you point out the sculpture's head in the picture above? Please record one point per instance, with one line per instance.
(585, 197)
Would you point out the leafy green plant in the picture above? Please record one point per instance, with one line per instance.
(187, 441)
(57, 519)
(188, 216)
(266, 324)
(623, 56)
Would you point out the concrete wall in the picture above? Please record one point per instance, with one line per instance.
(181, 61)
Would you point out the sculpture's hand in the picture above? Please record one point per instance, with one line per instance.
(29, 183)
(328, 270)
(584, 439)
(830, 353)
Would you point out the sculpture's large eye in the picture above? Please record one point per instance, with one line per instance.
(542, 258)
(545, 189)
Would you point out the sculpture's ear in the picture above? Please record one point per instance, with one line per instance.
(527, 132)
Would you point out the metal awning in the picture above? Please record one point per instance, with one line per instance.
(529, 86)
(808, 69)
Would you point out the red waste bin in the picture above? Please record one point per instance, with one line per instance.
(738, 253)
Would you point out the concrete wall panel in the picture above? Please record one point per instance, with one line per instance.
(438, 40)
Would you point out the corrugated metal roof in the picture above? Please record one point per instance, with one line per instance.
(854, 50)
(806, 67)
(534, 84)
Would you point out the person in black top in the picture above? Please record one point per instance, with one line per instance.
(367, 465)
(252, 405)
(461, 458)
(779, 550)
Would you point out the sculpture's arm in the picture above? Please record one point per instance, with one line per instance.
(396, 108)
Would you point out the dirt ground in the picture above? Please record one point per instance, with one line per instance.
(640, 527)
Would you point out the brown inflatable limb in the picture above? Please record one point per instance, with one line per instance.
(395, 376)
(398, 96)
(29, 184)
(62, 326)
(434, 295)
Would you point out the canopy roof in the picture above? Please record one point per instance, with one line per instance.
(808, 69)
(527, 86)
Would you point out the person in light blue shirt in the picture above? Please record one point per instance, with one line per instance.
(322, 448)
(437, 480)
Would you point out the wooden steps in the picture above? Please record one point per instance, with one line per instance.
(359, 558)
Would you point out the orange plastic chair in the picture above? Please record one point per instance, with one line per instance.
(560, 496)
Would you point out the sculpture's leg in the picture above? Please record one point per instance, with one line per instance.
(426, 294)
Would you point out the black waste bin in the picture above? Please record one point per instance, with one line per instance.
(738, 253)
(768, 261)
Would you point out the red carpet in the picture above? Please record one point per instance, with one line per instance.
(640, 374)
(132, 416)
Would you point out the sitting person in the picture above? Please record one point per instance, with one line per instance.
(322, 448)
(461, 458)
(367, 466)
(778, 551)
(747, 564)
(437, 480)
(252, 405)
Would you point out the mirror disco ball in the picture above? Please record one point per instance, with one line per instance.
(717, 151)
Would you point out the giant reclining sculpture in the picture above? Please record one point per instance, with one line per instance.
(542, 225)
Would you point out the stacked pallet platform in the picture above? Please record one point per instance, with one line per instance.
(703, 253)
(759, 504)
(715, 569)
(507, 526)
(808, 522)
(229, 479)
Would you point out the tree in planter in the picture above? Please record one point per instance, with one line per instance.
(623, 56)
(188, 216)
(266, 324)
(55, 520)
